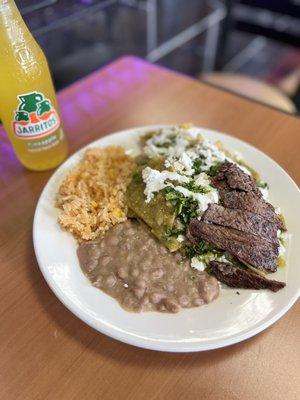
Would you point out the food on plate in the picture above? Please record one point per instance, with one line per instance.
(91, 197)
(132, 266)
(247, 247)
(171, 222)
(158, 214)
(251, 236)
(242, 278)
(245, 221)
(238, 190)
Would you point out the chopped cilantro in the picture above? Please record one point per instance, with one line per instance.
(213, 170)
(200, 249)
(188, 210)
(170, 141)
(186, 207)
(137, 177)
(196, 188)
(197, 166)
(263, 185)
(163, 145)
(173, 232)
(142, 160)
(171, 194)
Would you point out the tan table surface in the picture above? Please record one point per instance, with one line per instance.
(46, 352)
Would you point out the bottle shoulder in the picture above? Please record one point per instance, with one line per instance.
(15, 38)
(27, 60)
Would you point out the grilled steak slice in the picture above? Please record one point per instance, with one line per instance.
(230, 176)
(239, 191)
(244, 221)
(250, 202)
(241, 278)
(248, 248)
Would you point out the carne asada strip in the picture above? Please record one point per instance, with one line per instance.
(230, 176)
(248, 248)
(239, 191)
(244, 221)
(250, 202)
(242, 278)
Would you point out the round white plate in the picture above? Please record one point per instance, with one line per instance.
(229, 319)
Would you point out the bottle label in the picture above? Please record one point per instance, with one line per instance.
(35, 116)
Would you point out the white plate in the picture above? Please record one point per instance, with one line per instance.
(230, 319)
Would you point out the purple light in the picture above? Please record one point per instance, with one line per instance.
(87, 1)
(73, 117)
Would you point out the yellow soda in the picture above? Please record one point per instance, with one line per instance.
(28, 105)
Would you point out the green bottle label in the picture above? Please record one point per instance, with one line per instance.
(35, 116)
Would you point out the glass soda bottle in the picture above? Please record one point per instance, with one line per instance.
(28, 106)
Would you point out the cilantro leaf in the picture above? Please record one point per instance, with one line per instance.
(214, 169)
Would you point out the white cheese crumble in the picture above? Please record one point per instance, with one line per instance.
(180, 238)
(193, 132)
(157, 180)
(222, 258)
(197, 264)
(281, 250)
(182, 146)
(203, 199)
(171, 141)
(210, 154)
(277, 210)
(265, 193)
(283, 239)
(183, 164)
(202, 179)
(202, 261)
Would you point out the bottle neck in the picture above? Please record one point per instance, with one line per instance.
(8, 5)
(13, 29)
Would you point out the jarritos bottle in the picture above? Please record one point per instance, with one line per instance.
(28, 106)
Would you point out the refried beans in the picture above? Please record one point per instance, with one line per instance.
(130, 265)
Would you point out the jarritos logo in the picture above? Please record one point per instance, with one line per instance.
(35, 116)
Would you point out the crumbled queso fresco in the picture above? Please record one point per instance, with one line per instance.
(200, 262)
(188, 159)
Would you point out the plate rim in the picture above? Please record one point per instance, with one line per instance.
(125, 336)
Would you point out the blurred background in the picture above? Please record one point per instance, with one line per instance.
(249, 46)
